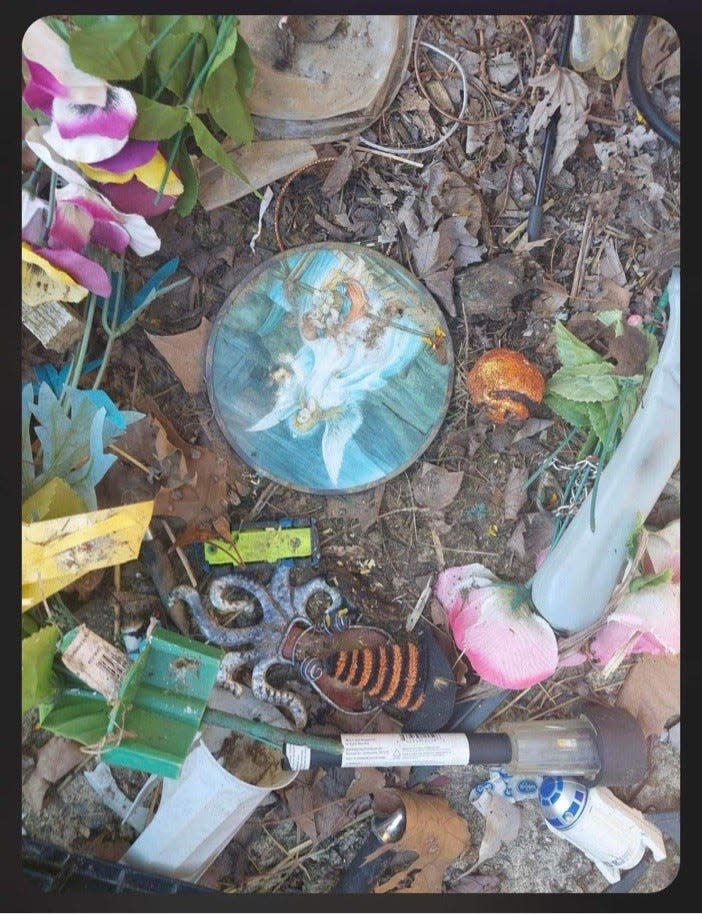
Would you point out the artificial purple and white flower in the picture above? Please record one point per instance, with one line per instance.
(90, 120)
(133, 177)
(494, 624)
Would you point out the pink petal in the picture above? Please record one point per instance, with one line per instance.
(130, 156)
(41, 88)
(454, 584)
(58, 75)
(655, 610)
(508, 647)
(142, 238)
(652, 612)
(136, 197)
(574, 659)
(86, 272)
(70, 228)
(89, 133)
(110, 235)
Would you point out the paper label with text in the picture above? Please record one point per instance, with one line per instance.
(385, 750)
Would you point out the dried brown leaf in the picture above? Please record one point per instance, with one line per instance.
(338, 175)
(434, 487)
(515, 493)
(55, 759)
(368, 782)
(185, 353)
(651, 692)
(435, 833)
(565, 91)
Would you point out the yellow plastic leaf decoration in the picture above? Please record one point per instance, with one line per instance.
(57, 552)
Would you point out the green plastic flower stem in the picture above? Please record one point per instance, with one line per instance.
(162, 34)
(547, 462)
(176, 63)
(32, 181)
(79, 358)
(52, 208)
(269, 733)
(607, 450)
(169, 164)
(112, 329)
(222, 34)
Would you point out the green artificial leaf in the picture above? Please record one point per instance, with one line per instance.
(182, 53)
(60, 27)
(75, 713)
(600, 415)
(38, 680)
(226, 106)
(211, 148)
(632, 542)
(113, 48)
(226, 50)
(585, 383)
(156, 121)
(575, 414)
(571, 350)
(190, 180)
(244, 67)
(651, 580)
(629, 397)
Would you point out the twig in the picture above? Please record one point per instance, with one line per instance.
(390, 155)
(514, 234)
(125, 456)
(181, 554)
(582, 253)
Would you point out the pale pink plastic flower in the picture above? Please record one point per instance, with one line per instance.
(647, 621)
(494, 625)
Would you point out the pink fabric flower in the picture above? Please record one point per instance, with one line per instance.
(646, 621)
(494, 625)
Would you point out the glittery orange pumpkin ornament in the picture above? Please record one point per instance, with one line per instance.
(505, 385)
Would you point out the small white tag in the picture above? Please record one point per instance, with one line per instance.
(385, 750)
(97, 662)
(298, 756)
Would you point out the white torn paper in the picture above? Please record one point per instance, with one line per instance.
(104, 784)
(265, 203)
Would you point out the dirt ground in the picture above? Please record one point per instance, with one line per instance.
(608, 233)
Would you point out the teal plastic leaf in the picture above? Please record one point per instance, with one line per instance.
(38, 680)
(28, 469)
(113, 48)
(72, 439)
(571, 350)
(156, 121)
(585, 383)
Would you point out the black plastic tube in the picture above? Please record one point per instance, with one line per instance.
(536, 211)
(639, 93)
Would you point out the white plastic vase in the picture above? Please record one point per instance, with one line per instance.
(202, 809)
(572, 587)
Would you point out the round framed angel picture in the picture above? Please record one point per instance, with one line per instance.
(330, 368)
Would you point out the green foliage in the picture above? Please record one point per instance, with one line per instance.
(651, 580)
(38, 680)
(190, 76)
